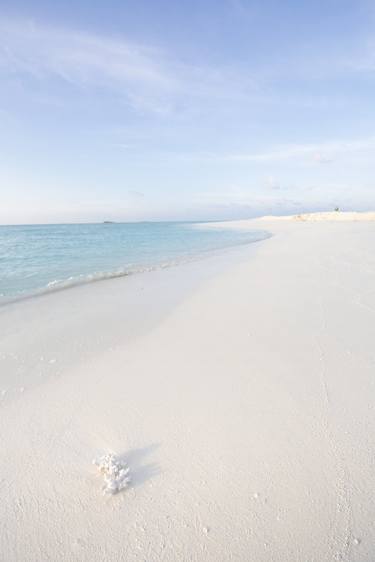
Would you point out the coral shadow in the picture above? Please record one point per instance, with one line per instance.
(140, 472)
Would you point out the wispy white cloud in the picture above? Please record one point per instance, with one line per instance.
(136, 194)
(323, 152)
(81, 59)
(235, 200)
(322, 158)
(272, 183)
(148, 77)
(75, 55)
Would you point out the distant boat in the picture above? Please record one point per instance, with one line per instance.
(109, 222)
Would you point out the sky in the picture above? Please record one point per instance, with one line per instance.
(172, 110)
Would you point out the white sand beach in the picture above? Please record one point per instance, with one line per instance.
(238, 389)
(327, 216)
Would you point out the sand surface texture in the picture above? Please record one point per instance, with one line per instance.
(241, 397)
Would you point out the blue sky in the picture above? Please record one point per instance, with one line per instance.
(139, 110)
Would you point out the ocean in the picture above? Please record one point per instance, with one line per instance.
(41, 258)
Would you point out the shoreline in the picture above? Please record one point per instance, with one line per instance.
(55, 285)
(238, 389)
(252, 225)
(124, 308)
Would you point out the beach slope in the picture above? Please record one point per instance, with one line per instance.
(242, 405)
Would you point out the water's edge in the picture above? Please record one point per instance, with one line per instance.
(70, 282)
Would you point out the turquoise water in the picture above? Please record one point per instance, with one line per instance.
(40, 258)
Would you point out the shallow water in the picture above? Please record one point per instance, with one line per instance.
(38, 258)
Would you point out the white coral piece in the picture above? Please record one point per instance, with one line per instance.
(115, 473)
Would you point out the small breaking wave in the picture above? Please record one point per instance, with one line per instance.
(57, 285)
(75, 281)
